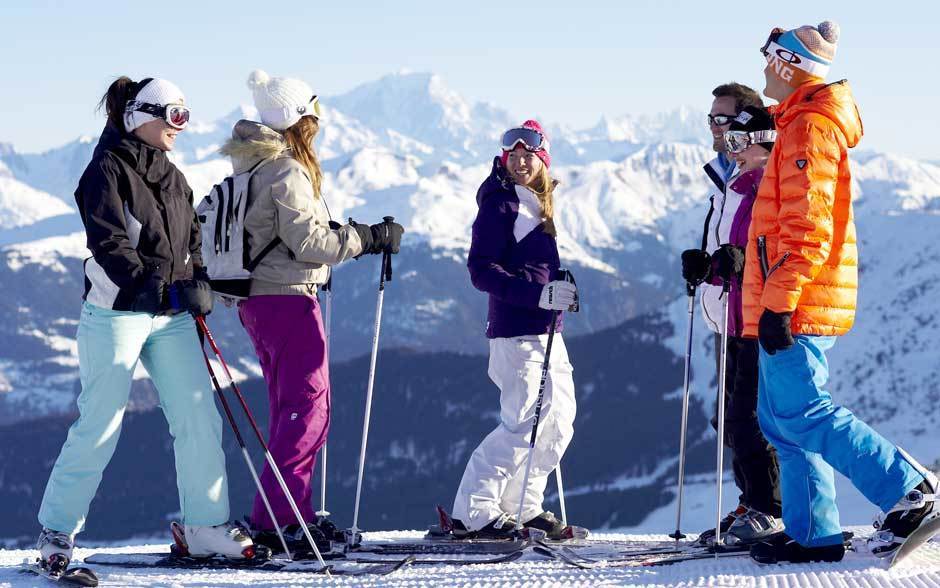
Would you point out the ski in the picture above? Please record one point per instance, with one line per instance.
(921, 535)
(550, 552)
(509, 557)
(685, 557)
(164, 560)
(451, 546)
(77, 576)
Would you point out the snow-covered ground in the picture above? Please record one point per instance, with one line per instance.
(921, 570)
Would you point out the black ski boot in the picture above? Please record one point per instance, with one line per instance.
(781, 548)
(330, 530)
(707, 537)
(554, 529)
(504, 527)
(296, 540)
(916, 509)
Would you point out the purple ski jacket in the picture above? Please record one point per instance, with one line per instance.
(512, 273)
(745, 187)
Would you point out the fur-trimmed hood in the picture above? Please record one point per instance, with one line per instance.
(251, 143)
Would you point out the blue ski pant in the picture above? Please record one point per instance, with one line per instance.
(110, 343)
(813, 435)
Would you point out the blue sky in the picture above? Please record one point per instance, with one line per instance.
(569, 62)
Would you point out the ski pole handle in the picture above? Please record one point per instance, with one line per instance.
(387, 256)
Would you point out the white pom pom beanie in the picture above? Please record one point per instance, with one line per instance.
(281, 102)
(156, 91)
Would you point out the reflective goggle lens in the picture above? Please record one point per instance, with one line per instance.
(530, 139)
(177, 115)
(737, 141)
(772, 38)
(720, 120)
(316, 105)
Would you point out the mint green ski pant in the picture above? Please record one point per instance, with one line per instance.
(110, 343)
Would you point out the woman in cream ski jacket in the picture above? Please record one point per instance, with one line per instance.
(282, 314)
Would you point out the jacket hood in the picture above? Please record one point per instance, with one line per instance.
(251, 143)
(833, 101)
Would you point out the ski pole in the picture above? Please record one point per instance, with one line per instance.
(683, 426)
(241, 444)
(201, 321)
(384, 275)
(328, 288)
(722, 385)
(538, 413)
(561, 495)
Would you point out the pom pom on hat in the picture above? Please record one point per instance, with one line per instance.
(258, 78)
(829, 31)
(281, 102)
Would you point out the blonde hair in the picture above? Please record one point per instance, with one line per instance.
(544, 188)
(299, 138)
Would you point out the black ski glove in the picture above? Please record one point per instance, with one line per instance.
(729, 262)
(773, 331)
(696, 266)
(193, 296)
(378, 238)
(150, 295)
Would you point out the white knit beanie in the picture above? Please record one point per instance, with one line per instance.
(281, 102)
(157, 91)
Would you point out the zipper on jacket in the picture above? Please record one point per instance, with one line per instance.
(765, 269)
(762, 256)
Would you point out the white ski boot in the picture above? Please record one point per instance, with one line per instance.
(55, 550)
(227, 540)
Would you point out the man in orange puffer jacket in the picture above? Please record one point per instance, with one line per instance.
(800, 287)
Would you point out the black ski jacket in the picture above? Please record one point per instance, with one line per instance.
(139, 219)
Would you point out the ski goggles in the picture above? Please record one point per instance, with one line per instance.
(771, 40)
(720, 120)
(175, 115)
(530, 139)
(738, 141)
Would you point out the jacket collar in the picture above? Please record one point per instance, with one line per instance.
(151, 163)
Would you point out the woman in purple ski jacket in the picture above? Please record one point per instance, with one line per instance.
(514, 259)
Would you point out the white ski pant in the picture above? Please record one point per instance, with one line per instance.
(492, 482)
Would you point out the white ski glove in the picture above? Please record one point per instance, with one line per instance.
(558, 295)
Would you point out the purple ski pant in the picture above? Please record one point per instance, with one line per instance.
(288, 335)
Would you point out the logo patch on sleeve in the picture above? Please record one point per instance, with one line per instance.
(801, 163)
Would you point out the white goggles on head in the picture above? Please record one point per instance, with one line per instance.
(738, 141)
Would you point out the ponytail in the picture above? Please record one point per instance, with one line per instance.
(115, 99)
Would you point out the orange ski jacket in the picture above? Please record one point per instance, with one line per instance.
(801, 251)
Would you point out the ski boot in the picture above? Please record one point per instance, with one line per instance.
(329, 530)
(227, 540)
(554, 529)
(707, 537)
(501, 528)
(55, 550)
(296, 540)
(781, 548)
(751, 527)
(916, 509)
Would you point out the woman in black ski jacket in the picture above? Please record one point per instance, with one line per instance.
(143, 282)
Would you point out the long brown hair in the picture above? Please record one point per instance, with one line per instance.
(115, 100)
(299, 138)
(544, 188)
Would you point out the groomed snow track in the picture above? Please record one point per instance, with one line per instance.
(921, 570)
